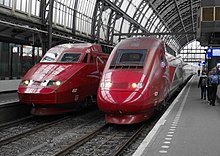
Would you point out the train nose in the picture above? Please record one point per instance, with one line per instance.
(125, 97)
(120, 101)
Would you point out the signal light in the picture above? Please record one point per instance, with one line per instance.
(57, 83)
(136, 85)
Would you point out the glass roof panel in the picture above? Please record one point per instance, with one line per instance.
(131, 10)
(118, 24)
(125, 26)
(124, 5)
(193, 51)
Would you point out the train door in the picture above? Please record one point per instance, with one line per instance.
(164, 87)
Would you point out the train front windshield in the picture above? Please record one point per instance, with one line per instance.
(129, 57)
(57, 55)
(52, 54)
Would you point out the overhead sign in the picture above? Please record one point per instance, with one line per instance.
(213, 52)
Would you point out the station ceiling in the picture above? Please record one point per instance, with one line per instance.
(50, 22)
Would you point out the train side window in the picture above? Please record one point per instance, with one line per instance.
(85, 58)
(70, 57)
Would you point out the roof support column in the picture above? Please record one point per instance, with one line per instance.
(74, 17)
(181, 19)
(97, 19)
(112, 20)
(50, 22)
(43, 36)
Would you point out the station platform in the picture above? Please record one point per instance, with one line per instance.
(189, 127)
(9, 85)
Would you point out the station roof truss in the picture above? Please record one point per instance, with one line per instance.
(48, 22)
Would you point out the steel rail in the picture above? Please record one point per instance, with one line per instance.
(123, 146)
(29, 132)
(12, 123)
(78, 143)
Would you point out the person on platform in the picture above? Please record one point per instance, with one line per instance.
(203, 84)
(213, 82)
(198, 72)
(217, 68)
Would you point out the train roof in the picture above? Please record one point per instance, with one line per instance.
(140, 42)
(75, 45)
(96, 47)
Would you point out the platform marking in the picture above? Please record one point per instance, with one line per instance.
(163, 151)
(166, 142)
(168, 138)
(164, 146)
(175, 122)
(145, 143)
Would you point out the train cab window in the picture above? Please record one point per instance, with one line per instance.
(49, 57)
(52, 54)
(70, 57)
(130, 57)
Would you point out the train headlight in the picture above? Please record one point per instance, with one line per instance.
(106, 84)
(134, 85)
(25, 82)
(54, 83)
(137, 85)
(57, 83)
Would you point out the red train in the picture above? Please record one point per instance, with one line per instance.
(66, 77)
(138, 77)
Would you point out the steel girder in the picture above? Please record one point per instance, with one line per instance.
(157, 12)
(101, 5)
(97, 19)
(176, 16)
(137, 15)
(112, 21)
(23, 28)
(180, 16)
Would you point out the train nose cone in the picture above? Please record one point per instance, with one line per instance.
(119, 101)
(124, 97)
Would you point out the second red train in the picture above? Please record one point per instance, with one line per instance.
(138, 77)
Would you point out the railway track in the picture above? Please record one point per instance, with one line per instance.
(109, 136)
(15, 122)
(47, 135)
(10, 108)
(33, 129)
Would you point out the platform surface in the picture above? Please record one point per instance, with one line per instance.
(190, 127)
(9, 85)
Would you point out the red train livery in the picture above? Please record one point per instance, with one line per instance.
(66, 77)
(138, 77)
